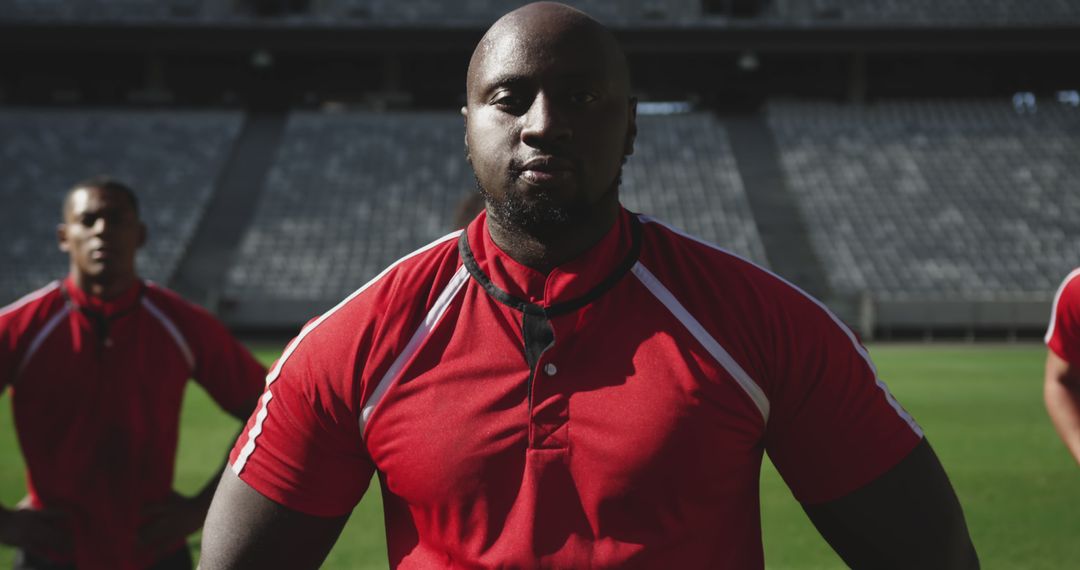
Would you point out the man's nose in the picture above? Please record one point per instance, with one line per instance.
(544, 123)
(101, 225)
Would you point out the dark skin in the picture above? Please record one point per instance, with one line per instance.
(101, 233)
(1061, 393)
(549, 121)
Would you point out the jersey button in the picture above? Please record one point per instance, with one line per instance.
(550, 369)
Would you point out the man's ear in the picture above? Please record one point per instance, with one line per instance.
(631, 127)
(142, 235)
(465, 114)
(61, 237)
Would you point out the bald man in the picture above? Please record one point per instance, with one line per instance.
(566, 384)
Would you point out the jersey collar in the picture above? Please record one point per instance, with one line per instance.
(106, 308)
(568, 286)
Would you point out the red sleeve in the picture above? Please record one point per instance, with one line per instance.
(1063, 335)
(19, 323)
(223, 366)
(9, 349)
(303, 447)
(833, 426)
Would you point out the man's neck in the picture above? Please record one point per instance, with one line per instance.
(544, 251)
(104, 289)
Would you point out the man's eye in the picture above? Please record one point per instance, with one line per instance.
(509, 101)
(582, 98)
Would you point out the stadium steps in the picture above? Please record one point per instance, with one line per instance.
(779, 221)
(201, 273)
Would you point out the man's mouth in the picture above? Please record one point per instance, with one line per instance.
(101, 253)
(546, 170)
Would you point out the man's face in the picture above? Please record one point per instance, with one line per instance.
(548, 124)
(101, 233)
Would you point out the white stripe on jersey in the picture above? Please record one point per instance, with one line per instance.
(40, 338)
(757, 395)
(173, 331)
(422, 332)
(29, 298)
(900, 411)
(260, 417)
(1053, 308)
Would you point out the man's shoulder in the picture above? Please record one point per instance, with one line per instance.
(1069, 292)
(167, 305)
(684, 257)
(399, 295)
(34, 306)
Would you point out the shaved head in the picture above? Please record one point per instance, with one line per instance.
(535, 27)
(549, 121)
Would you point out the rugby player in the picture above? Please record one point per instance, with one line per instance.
(97, 365)
(1061, 386)
(567, 384)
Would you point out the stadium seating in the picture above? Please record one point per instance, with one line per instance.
(171, 158)
(391, 12)
(352, 192)
(612, 12)
(926, 12)
(348, 194)
(485, 11)
(683, 173)
(971, 200)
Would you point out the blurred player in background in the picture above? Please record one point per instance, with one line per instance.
(97, 365)
(566, 384)
(1061, 388)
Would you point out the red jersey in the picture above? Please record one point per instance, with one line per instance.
(96, 391)
(611, 413)
(1063, 335)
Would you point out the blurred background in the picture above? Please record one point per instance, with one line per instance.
(915, 164)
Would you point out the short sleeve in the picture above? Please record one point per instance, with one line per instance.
(1063, 334)
(224, 367)
(302, 448)
(834, 426)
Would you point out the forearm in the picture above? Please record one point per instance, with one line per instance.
(907, 518)
(1063, 406)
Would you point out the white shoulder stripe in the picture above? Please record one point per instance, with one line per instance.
(30, 298)
(900, 411)
(173, 331)
(260, 417)
(757, 395)
(40, 338)
(422, 332)
(1054, 307)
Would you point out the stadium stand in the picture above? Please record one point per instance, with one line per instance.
(352, 192)
(936, 199)
(926, 13)
(683, 172)
(383, 12)
(348, 194)
(428, 13)
(485, 11)
(171, 158)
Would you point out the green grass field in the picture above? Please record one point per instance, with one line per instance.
(981, 407)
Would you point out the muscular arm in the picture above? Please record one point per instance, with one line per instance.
(1061, 392)
(246, 530)
(907, 518)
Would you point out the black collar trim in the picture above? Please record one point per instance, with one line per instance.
(559, 308)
